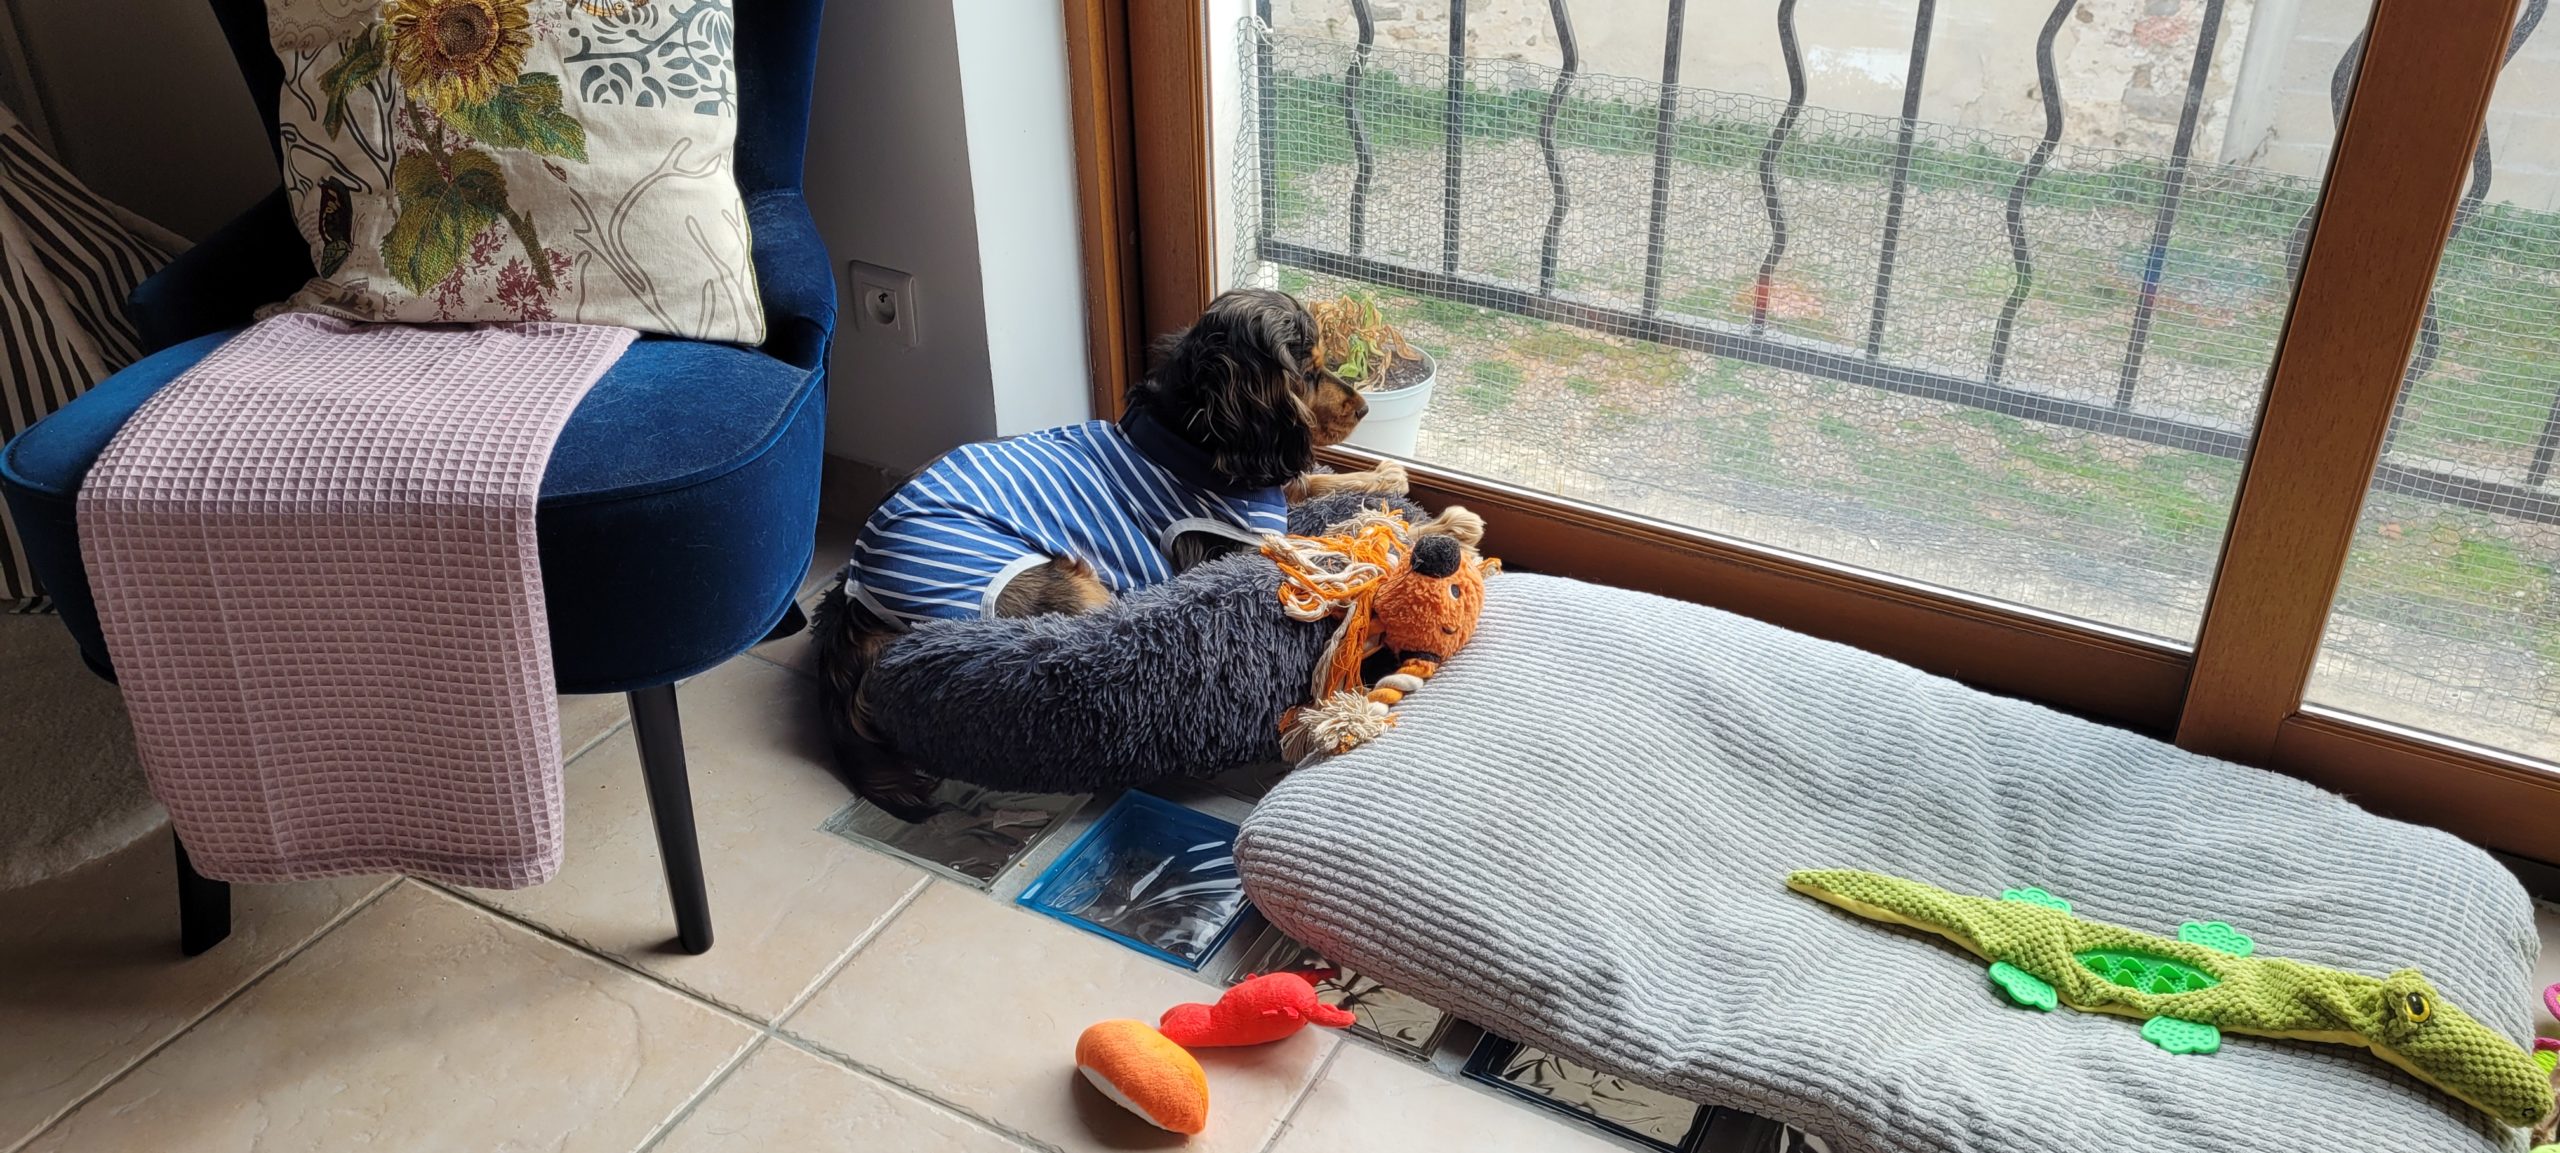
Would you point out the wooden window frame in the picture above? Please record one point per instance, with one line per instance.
(1140, 74)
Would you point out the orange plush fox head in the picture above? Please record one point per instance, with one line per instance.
(1428, 609)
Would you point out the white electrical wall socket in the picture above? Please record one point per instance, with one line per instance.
(884, 304)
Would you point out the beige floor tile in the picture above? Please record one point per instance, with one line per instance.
(979, 1003)
(785, 1099)
(91, 978)
(787, 901)
(1372, 1103)
(422, 1023)
(586, 717)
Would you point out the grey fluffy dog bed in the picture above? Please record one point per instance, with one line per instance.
(1188, 678)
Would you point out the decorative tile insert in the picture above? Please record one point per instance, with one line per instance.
(1390, 1018)
(1654, 1118)
(1731, 1131)
(1152, 875)
(973, 836)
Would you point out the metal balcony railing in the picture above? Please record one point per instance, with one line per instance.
(1862, 355)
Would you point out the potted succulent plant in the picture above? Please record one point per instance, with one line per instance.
(1356, 342)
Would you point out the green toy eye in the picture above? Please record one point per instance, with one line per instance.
(2415, 1009)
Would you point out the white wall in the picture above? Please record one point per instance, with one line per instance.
(1013, 83)
(940, 146)
(888, 181)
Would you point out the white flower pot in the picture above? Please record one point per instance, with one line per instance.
(1395, 417)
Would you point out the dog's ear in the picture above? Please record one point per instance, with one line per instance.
(1233, 384)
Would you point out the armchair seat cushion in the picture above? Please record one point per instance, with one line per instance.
(676, 518)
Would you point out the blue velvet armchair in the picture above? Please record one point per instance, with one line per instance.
(681, 502)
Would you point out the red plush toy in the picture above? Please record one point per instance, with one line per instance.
(1257, 1012)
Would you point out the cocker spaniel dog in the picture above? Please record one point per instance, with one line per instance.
(1218, 440)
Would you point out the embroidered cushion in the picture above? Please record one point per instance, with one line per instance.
(493, 160)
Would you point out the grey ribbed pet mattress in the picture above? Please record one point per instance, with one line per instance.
(1577, 837)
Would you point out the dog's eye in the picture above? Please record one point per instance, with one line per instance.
(1456, 593)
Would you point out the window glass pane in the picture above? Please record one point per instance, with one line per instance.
(2448, 615)
(2013, 344)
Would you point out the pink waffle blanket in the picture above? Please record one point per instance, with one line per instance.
(314, 560)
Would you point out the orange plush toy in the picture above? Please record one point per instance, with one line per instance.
(1417, 595)
(1259, 1011)
(1150, 1073)
(1145, 1074)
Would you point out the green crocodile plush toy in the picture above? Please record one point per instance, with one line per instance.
(2191, 990)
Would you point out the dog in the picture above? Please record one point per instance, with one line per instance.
(1219, 438)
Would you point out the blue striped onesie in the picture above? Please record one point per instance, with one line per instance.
(1112, 495)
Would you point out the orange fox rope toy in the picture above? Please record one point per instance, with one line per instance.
(1415, 594)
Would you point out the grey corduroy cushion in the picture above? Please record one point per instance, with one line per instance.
(1577, 835)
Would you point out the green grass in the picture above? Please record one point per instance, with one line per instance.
(1491, 385)
(2492, 568)
(1725, 379)
(1583, 385)
(1834, 428)
(1453, 317)
(2443, 572)
(1558, 343)
(2165, 497)
(2446, 411)
(1657, 365)
(2246, 345)
(1741, 447)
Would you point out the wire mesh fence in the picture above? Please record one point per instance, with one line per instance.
(1746, 395)
(1996, 362)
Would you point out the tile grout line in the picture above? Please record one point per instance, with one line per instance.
(741, 1016)
(819, 1050)
(1315, 1082)
(719, 1077)
(753, 655)
(822, 1052)
(913, 894)
(767, 1032)
(326, 928)
(568, 759)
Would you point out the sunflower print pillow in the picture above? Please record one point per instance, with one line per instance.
(497, 160)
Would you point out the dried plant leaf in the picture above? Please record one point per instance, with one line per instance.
(1354, 340)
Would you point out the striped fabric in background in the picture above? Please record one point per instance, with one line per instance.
(67, 261)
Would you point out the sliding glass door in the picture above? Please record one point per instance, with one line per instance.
(1977, 294)
(2447, 616)
(2111, 353)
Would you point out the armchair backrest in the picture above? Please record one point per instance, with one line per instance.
(776, 58)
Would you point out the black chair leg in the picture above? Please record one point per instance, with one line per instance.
(661, 737)
(794, 622)
(204, 906)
